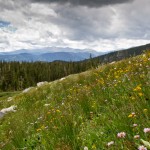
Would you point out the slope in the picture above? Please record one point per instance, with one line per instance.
(87, 110)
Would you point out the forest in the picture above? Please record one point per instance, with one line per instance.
(16, 76)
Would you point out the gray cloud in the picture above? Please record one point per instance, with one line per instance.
(12, 4)
(45, 23)
(89, 3)
(119, 21)
(85, 25)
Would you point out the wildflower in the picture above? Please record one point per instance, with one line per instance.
(138, 88)
(110, 143)
(144, 55)
(132, 97)
(116, 77)
(142, 148)
(132, 115)
(145, 110)
(46, 105)
(85, 148)
(93, 146)
(38, 129)
(39, 118)
(136, 137)
(140, 94)
(58, 110)
(121, 135)
(42, 127)
(146, 130)
(135, 125)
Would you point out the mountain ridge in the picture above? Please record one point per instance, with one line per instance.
(69, 54)
(64, 54)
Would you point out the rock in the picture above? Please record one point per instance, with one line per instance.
(41, 83)
(9, 99)
(9, 109)
(112, 62)
(27, 90)
(62, 79)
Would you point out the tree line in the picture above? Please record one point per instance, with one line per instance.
(16, 76)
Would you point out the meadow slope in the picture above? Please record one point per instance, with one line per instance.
(103, 108)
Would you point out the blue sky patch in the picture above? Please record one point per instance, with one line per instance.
(4, 24)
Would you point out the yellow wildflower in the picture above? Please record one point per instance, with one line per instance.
(138, 88)
(132, 115)
(43, 127)
(38, 129)
(132, 97)
(116, 77)
(48, 112)
(58, 110)
(140, 94)
(145, 110)
(94, 146)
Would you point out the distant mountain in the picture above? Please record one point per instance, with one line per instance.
(65, 56)
(17, 57)
(49, 54)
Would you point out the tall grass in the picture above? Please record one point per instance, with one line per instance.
(84, 110)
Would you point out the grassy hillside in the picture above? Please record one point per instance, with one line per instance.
(86, 110)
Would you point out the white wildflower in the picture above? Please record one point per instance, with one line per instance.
(46, 105)
(110, 143)
(85, 148)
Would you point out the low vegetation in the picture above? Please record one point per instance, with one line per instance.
(104, 108)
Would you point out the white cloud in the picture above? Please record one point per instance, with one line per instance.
(41, 9)
(37, 25)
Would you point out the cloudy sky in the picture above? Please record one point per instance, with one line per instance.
(95, 24)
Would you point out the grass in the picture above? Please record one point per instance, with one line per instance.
(84, 110)
(4, 96)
